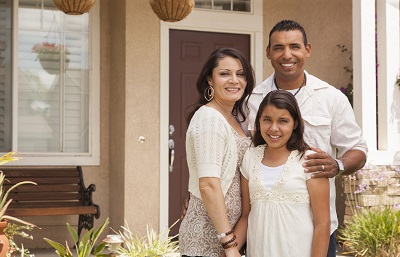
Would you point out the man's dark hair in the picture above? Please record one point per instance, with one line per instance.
(288, 25)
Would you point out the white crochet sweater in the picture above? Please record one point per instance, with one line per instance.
(211, 149)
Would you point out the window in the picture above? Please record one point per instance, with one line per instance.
(228, 5)
(46, 87)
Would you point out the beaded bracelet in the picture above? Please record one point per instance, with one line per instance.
(234, 244)
(220, 236)
(229, 241)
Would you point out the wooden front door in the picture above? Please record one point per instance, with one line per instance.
(188, 51)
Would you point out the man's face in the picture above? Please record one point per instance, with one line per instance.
(288, 54)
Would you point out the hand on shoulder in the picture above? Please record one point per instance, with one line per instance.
(320, 163)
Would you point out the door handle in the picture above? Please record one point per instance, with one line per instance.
(171, 146)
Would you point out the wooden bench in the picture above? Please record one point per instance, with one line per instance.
(59, 191)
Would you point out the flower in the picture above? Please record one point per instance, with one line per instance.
(49, 50)
(398, 79)
(348, 89)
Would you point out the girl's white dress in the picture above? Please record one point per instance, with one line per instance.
(280, 221)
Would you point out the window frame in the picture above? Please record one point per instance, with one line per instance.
(63, 159)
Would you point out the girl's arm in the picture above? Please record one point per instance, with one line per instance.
(241, 226)
(214, 201)
(318, 189)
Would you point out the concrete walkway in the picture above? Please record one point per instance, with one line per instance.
(51, 253)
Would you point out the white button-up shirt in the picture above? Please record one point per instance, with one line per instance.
(329, 122)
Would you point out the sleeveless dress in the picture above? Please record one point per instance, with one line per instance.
(197, 235)
(280, 221)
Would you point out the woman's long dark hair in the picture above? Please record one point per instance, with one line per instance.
(283, 100)
(206, 72)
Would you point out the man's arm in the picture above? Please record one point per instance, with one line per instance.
(326, 166)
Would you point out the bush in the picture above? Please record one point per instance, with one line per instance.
(374, 232)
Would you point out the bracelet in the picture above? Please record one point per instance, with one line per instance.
(229, 241)
(220, 236)
(234, 244)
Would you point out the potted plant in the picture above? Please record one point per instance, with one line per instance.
(85, 247)
(13, 230)
(50, 55)
(5, 202)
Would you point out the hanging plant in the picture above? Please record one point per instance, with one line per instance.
(49, 51)
(52, 56)
(74, 7)
(172, 10)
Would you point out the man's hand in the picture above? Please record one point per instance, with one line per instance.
(322, 163)
(185, 205)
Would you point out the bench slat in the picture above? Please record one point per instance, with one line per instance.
(46, 196)
(48, 204)
(42, 180)
(44, 188)
(26, 174)
(73, 210)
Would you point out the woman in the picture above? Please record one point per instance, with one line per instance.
(215, 145)
(287, 212)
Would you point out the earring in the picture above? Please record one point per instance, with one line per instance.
(209, 93)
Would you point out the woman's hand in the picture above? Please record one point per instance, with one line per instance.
(232, 252)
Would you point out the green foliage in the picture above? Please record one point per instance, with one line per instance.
(348, 89)
(375, 232)
(85, 247)
(4, 201)
(153, 244)
(13, 230)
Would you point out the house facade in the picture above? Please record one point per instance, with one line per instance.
(128, 152)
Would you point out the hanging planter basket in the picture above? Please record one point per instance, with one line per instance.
(74, 7)
(51, 56)
(172, 10)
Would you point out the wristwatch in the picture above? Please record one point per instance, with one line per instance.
(341, 167)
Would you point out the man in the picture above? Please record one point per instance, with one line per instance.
(329, 120)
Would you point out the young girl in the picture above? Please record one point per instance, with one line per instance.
(286, 212)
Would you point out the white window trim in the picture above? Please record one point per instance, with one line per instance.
(210, 21)
(66, 159)
(387, 151)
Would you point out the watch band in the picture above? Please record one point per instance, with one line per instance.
(341, 167)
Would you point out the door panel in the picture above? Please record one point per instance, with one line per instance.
(187, 54)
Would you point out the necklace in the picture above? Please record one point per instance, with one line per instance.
(298, 90)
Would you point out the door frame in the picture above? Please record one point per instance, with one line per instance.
(207, 21)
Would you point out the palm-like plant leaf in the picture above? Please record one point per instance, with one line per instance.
(85, 246)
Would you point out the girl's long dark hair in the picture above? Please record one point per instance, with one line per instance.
(206, 72)
(283, 100)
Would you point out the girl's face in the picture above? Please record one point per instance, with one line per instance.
(228, 80)
(276, 126)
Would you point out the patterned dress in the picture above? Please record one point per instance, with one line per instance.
(197, 235)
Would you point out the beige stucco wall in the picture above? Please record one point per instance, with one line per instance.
(327, 24)
(127, 180)
(133, 45)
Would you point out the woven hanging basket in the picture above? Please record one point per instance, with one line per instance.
(172, 10)
(74, 7)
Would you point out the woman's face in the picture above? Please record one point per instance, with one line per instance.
(228, 80)
(276, 126)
